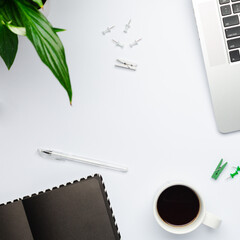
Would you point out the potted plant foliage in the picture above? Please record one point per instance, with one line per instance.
(22, 17)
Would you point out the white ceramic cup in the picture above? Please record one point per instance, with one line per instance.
(203, 216)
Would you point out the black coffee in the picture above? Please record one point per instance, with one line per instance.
(178, 205)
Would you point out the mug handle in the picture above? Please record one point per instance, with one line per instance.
(211, 220)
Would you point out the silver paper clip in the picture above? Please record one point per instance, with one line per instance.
(108, 30)
(127, 26)
(118, 43)
(125, 64)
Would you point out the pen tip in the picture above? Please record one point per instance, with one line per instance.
(41, 152)
(46, 152)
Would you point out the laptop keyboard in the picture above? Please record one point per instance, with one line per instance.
(230, 11)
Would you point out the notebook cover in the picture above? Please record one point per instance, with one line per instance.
(79, 210)
(13, 222)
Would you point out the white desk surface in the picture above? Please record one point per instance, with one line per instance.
(158, 120)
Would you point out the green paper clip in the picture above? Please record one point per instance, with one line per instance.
(219, 169)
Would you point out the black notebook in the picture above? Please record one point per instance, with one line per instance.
(77, 211)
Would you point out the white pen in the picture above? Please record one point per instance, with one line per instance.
(62, 156)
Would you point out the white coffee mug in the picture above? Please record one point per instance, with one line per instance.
(203, 216)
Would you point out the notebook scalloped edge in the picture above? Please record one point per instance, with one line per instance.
(69, 183)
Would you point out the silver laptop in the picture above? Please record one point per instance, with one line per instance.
(218, 24)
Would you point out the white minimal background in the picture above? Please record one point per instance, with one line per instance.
(158, 120)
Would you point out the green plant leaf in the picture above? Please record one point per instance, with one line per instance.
(10, 13)
(22, 30)
(39, 3)
(16, 30)
(2, 2)
(8, 45)
(46, 42)
(56, 30)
